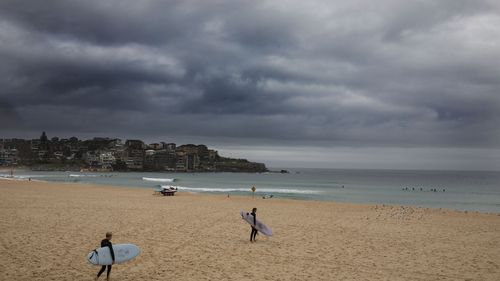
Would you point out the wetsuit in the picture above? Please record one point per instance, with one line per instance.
(254, 230)
(107, 243)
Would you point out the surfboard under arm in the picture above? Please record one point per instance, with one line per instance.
(261, 227)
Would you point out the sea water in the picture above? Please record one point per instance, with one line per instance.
(460, 190)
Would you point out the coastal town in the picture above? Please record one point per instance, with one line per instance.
(113, 154)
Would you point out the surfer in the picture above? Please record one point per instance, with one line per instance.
(107, 243)
(254, 230)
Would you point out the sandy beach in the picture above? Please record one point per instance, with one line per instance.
(47, 229)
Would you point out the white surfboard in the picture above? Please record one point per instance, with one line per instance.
(123, 253)
(259, 225)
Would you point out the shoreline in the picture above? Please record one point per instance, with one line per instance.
(202, 237)
(258, 197)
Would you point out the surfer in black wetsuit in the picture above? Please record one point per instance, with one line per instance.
(254, 230)
(107, 243)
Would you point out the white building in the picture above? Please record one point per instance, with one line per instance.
(107, 159)
(8, 157)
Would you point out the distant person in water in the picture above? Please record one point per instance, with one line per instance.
(107, 243)
(254, 230)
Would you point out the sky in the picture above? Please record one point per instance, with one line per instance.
(385, 84)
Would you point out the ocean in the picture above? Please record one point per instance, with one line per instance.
(459, 190)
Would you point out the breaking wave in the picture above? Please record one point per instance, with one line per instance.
(259, 190)
(80, 176)
(158, 179)
(22, 177)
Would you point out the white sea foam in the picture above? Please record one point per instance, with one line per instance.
(158, 179)
(79, 176)
(260, 190)
(22, 177)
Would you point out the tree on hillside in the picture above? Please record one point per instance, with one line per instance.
(43, 138)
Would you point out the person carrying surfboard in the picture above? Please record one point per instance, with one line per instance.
(107, 243)
(254, 230)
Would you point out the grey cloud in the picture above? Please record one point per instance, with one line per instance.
(319, 72)
(110, 22)
(422, 16)
(9, 118)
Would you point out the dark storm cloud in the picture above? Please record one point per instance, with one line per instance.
(9, 118)
(110, 22)
(360, 73)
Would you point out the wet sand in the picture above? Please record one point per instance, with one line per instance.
(47, 229)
